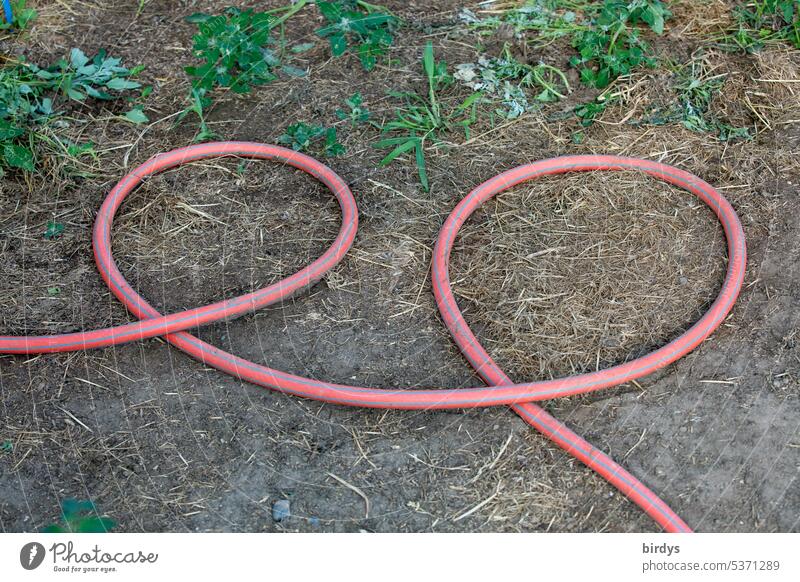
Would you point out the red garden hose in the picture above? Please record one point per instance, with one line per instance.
(500, 389)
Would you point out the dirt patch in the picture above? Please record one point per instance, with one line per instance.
(161, 443)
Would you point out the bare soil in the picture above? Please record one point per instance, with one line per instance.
(556, 277)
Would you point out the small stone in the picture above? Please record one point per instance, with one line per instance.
(609, 342)
(281, 510)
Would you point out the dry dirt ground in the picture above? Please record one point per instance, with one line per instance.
(556, 277)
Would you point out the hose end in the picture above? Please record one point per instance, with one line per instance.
(8, 13)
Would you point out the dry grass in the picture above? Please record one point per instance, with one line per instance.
(700, 20)
(757, 91)
(222, 228)
(576, 273)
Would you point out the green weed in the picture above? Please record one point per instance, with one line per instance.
(54, 230)
(233, 48)
(694, 94)
(198, 104)
(359, 26)
(605, 33)
(507, 80)
(612, 46)
(140, 8)
(80, 77)
(80, 517)
(306, 138)
(356, 113)
(588, 112)
(30, 97)
(767, 21)
(550, 19)
(237, 53)
(424, 118)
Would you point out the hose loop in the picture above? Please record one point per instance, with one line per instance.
(500, 389)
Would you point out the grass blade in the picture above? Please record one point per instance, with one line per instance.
(428, 62)
(401, 149)
(423, 174)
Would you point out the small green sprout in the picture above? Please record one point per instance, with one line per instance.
(357, 112)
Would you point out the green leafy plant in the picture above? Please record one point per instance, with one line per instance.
(508, 80)
(80, 77)
(695, 91)
(30, 98)
(652, 12)
(612, 46)
(768, 20)
(233, 48)
(80, 517)
(304, 138)
(14, 153)
(198, 104)
(362, 27)
(549, 19)
(136, 115)
(23, 16)
(357, 112)
(54, 230)
(237, 53)
(588, 112)
(605, 33)
(424, 118)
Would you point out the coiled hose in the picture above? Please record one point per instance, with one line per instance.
(501, 390)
